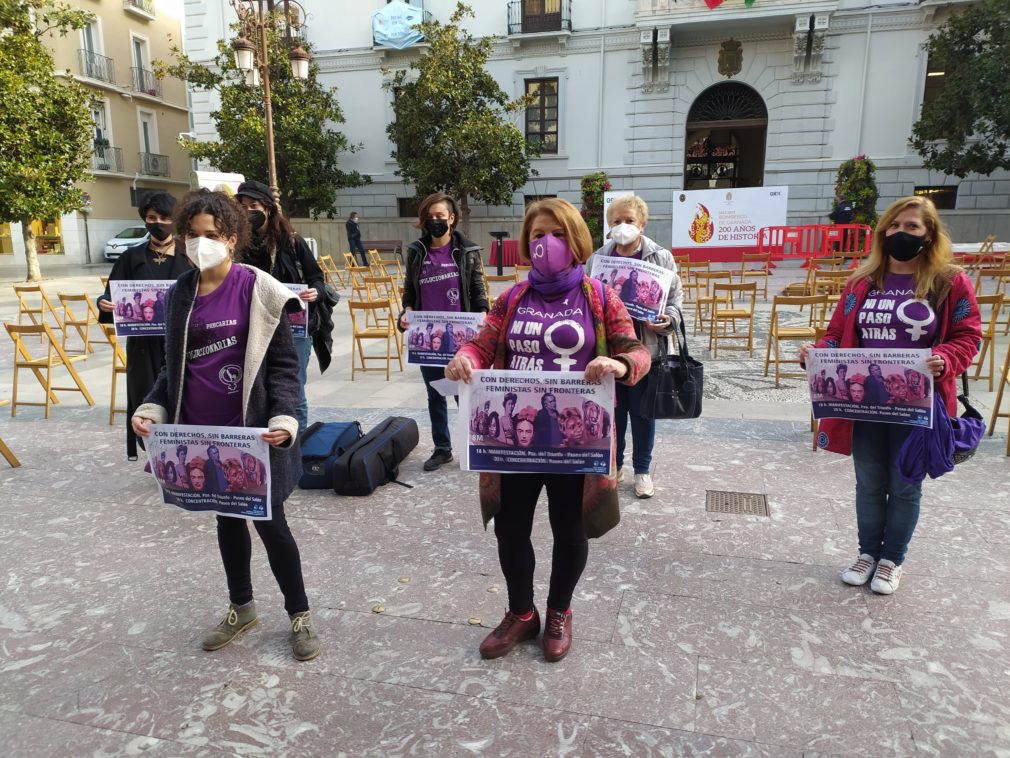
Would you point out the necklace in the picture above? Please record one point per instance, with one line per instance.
(160, 250)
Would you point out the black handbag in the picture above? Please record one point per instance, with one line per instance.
(675, 383)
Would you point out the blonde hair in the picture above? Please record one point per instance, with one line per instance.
(634, 202)
(936, 259)
(568, 218)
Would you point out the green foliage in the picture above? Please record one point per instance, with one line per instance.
(306, 151)
(593, 187)
(965, 128)
(45, 123)
(454, 127)
(857, 183)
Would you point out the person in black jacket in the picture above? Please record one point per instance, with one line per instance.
(159, 257)
(354, 237)
(275, 248)
(443, 274)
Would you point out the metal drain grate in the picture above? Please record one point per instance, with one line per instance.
(745, 503)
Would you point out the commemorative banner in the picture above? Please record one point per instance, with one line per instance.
(537, 422)
(433, 337)
(139, 306)
(872, 384)
(642, 286)
(299, 321)
(215, 469)
(725, 218)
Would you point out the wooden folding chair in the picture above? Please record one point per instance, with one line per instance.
(987, 345)
(118, 369)
(380, 289)
(757, 266)
(830, 282)
(38, 310)
(42, 368)
(522, 271)
(5, 451)
(785, 329)
(82, 323)
(509, 280)
(729, 303)
(689, 281)
(331, 273)
(705, 300)
(1004, 382)
(360, 331)
(104, 280)
(991, 279)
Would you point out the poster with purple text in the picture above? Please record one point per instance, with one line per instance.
(299, 321)
(872, 384)
(433, 337)
(537, 422)
(139, 306)
(642, 286)
(214, 469)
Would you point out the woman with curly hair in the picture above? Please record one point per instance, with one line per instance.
(908, 294)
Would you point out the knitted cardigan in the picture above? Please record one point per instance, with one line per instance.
(615, 337)
(957, 341)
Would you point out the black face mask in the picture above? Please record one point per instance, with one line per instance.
(160, 232)
(903, 246)
(436, 227)
(256, 220)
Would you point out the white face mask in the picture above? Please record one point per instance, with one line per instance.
(205, 252)
(625, 234)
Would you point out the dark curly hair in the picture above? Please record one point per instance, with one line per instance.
(229, 216)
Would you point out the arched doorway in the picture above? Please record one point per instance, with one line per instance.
(725, 145)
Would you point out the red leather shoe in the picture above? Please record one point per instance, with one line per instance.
(510, 632)
(557, 639)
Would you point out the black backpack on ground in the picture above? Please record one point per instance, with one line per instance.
(322, 443)
(375, 458)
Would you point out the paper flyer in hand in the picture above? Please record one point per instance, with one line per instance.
(545, 422)
(223, 470)
(872, 384)
(139, 306)
(299, 321)
(433, 337)
(642, 287)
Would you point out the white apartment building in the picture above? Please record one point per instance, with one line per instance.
(662, 95)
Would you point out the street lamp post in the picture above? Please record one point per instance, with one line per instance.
(252, 57)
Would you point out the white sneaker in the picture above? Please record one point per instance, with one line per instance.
(885, 581)
(643, 485)
(859, 573)
(620, 475)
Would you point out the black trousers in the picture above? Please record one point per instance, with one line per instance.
(282, 552)
(513, 525)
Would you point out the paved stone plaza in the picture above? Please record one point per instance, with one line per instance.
(696, 633)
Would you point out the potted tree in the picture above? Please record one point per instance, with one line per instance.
(102, 160)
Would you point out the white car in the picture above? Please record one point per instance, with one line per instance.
(131, 235)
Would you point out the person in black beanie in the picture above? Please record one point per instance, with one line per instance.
(158, 257)
(278, 250)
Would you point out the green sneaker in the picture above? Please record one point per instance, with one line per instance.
(236, 621)
(304, 640)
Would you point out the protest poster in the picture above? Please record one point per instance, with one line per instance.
(217, 469)
(872, 384)
(433, 337)
(719, 224)
(642, 286)
(537, 422)
(139, 306)
(299, 321)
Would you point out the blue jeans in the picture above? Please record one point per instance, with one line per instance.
(643, 430)
(356, 247)
(438, 409)
(303, 346)
(887, 507)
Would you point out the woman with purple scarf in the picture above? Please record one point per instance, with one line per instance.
(597, 337)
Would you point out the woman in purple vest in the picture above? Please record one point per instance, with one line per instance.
(227, 314)
(443, 274)
(597, 337)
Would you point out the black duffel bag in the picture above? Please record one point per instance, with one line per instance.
(675, 383)
(375, 459)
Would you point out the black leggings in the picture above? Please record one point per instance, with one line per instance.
(513, 525)
(282, 552)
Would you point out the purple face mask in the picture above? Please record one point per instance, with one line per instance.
(550, 255)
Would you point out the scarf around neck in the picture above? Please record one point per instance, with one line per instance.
(555, 286)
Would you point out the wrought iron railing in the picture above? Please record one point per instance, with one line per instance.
(95, 66)
(145, 81)
(531, 16)
(141, 5)
(153, 164)
(108, 158)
